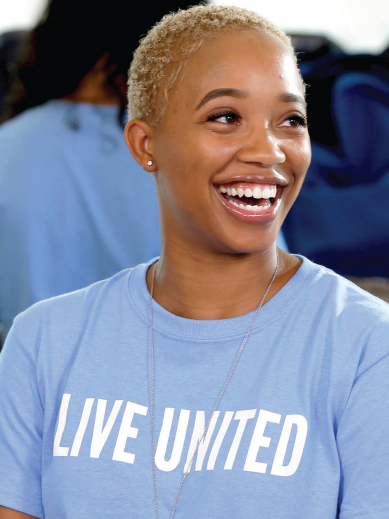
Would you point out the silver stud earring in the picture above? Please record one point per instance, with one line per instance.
(150, 163)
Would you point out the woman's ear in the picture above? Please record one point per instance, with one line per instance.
(139, 137)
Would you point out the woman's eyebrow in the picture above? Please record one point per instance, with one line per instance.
(221, 92)
(292, 98)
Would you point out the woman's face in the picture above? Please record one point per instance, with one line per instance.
(233, 147)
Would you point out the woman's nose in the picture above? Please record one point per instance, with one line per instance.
(262, 148)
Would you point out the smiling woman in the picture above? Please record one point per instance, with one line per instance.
(234, 108)
(225, 379)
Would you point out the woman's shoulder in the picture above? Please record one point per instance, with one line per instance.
(341, 313)
(343, 295)
(330, 300)
(61, 319)
(353, 297)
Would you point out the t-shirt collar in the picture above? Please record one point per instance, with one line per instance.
(190, 329)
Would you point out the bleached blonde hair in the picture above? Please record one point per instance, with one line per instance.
(166, 48)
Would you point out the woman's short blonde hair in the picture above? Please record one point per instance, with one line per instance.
(164, 51)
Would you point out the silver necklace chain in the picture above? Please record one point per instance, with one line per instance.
(152, 388)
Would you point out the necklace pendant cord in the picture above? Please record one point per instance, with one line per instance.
(152, 388)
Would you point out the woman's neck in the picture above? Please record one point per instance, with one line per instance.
(217, 286)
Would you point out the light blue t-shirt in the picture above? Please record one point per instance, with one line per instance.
(75, 207)
(302, 431)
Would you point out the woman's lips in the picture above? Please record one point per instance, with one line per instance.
(250, 200)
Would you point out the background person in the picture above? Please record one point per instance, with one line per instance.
(10, 43)
(74, 205)
(106, 391)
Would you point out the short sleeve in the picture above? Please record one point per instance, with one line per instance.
(21, 421)
(363, 445)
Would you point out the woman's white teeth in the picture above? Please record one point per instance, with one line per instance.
(253, 208)
(257, 192)
(266, 192)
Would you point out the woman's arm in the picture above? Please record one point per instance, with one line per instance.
(7, 513)
(21, 426)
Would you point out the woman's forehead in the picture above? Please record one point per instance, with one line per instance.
(236, 49)
(243, 60)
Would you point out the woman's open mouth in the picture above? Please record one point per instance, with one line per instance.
(249, 198)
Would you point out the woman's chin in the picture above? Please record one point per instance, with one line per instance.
(245, 244)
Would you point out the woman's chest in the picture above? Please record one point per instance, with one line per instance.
(270, 444)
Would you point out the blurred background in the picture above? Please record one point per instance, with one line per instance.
(358, 26)
(74, 206)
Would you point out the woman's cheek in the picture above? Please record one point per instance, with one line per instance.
(299, 157)
(218, 154)
(305, 154)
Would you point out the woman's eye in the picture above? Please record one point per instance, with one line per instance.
(229, 117)
(296, 121)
